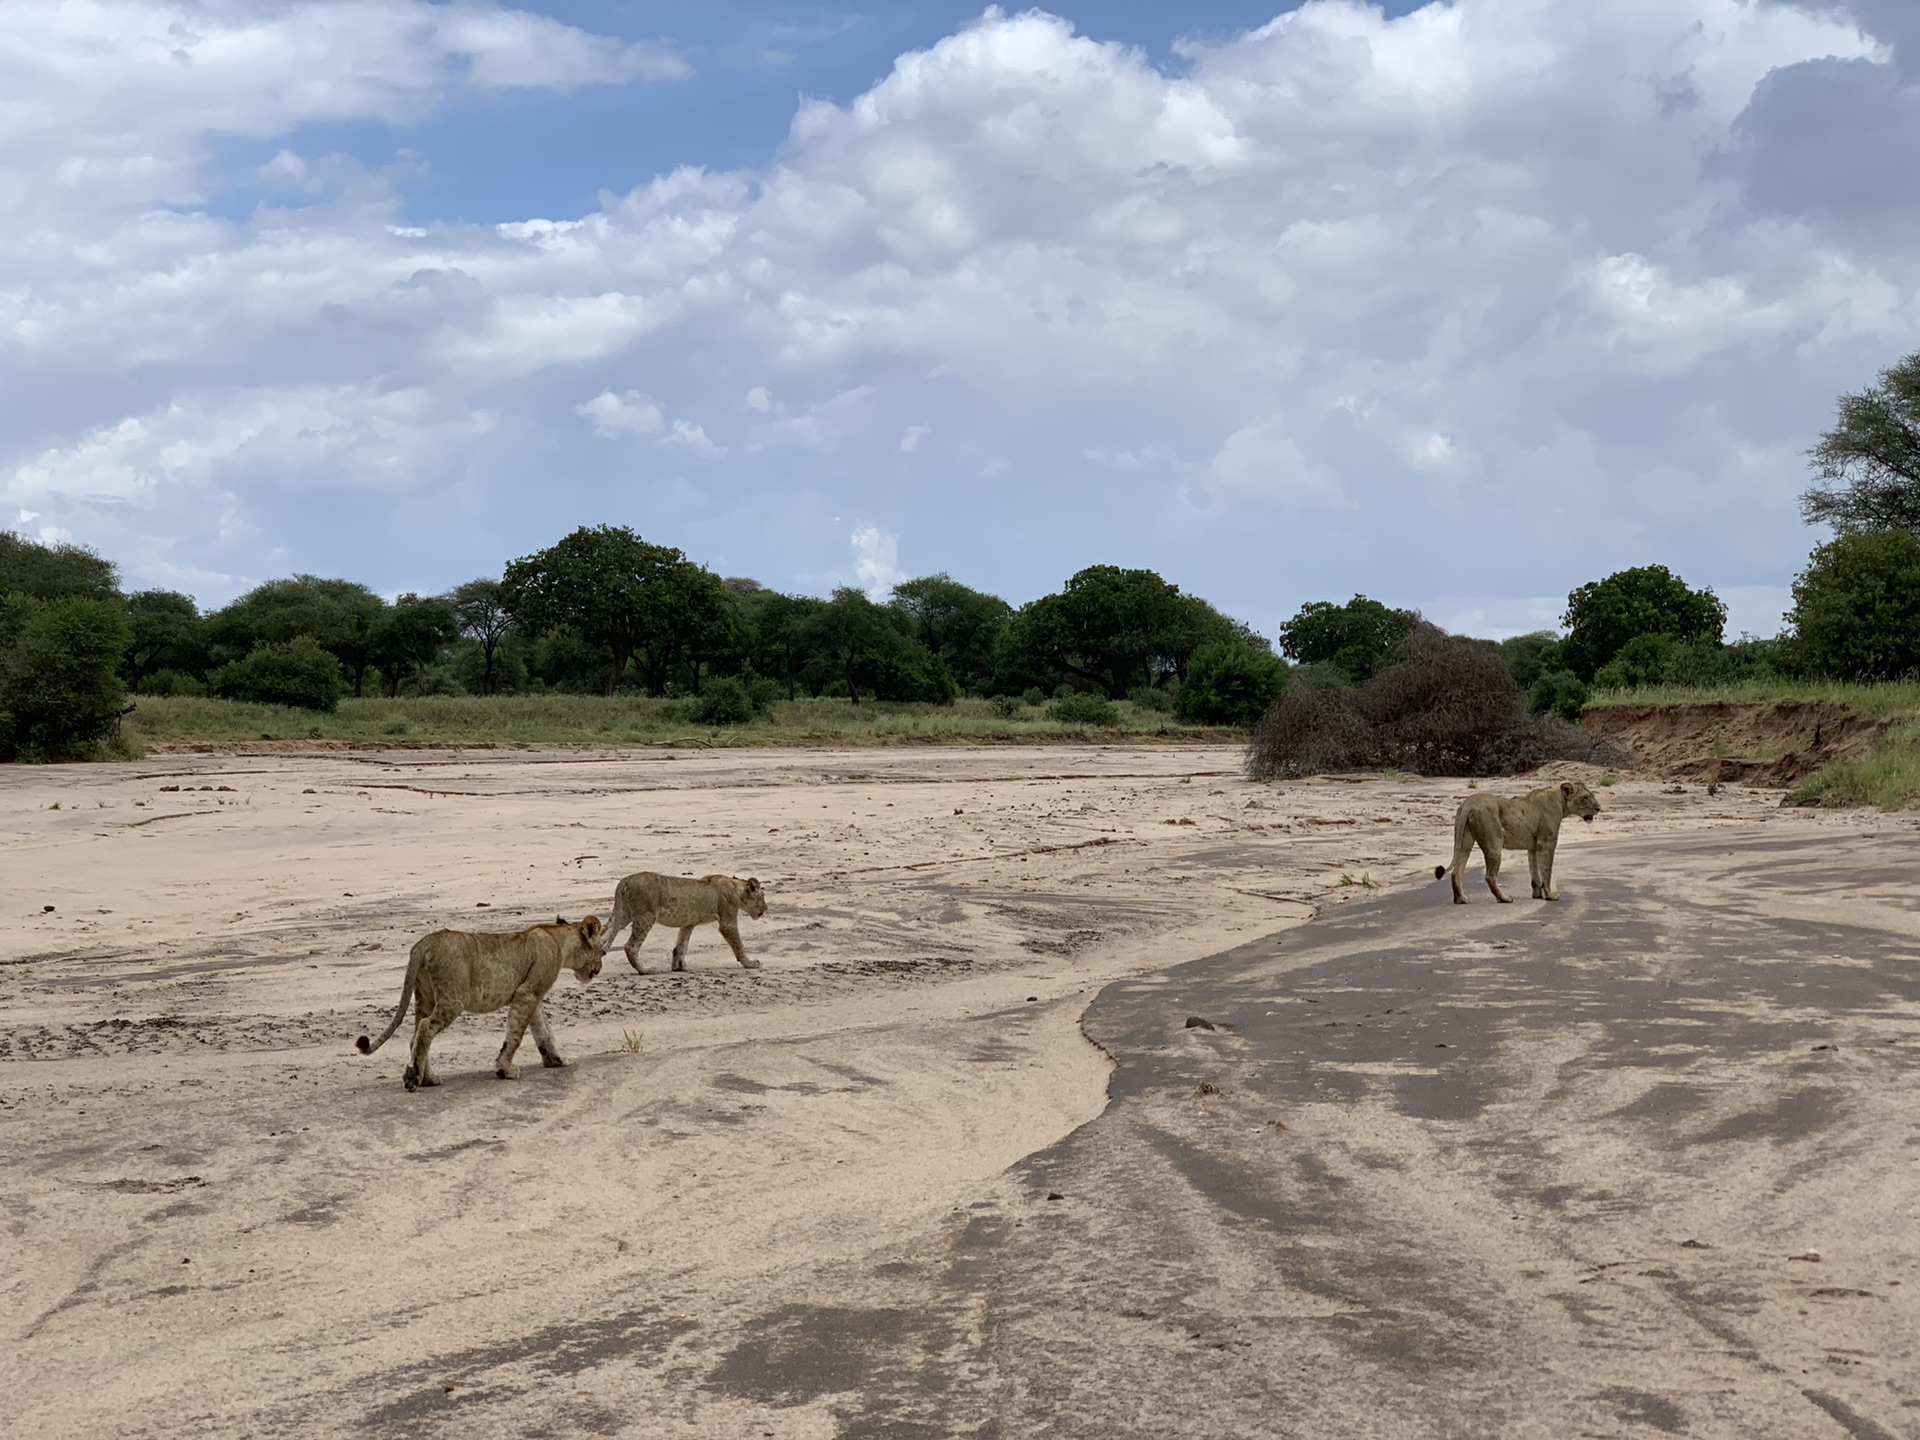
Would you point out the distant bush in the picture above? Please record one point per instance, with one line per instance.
(1445, 709)
(724, 702)
(297, 672)
(60, 691)
(1158, 698)
(1005, 707)
(1086, 709)
(171, 682)
(1229, 685)
(1558, 692)
(1034, 695)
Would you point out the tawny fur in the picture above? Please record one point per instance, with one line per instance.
(454, 972)
(648, 899)
(1531, 820)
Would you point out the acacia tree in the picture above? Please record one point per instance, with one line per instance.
(167, 632)
(1356, 638)
(961, 625)
(620, 595)
(341, 616)
(1868, 464)
(1116, 629)
(482, 616)
(414, 632)
(1603, 615)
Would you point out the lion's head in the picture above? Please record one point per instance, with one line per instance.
(583, 960)
(753, 899)
(1577, 799)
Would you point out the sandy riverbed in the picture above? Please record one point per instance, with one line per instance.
(219, 1219)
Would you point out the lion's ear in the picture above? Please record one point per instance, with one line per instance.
(1566, 787)
(560, 920)
(590, 926)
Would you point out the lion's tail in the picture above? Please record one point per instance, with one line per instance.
(366, 1046)
(1439, 872)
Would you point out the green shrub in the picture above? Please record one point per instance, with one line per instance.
(724, 702)
(1641, 661)
(171, 682)
(1229, 685)
(297, 672)
(60, 690)
(1087, 709)
(1035, 695)
(1856, 609)
(1005, 707)
(1157, 698)
(1558, 692)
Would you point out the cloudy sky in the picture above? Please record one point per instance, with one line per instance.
(1458, 306)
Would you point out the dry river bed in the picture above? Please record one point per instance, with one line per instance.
(218, 1219)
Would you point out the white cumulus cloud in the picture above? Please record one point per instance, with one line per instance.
(1333, 305)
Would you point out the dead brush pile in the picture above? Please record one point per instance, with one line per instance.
(1446, 708)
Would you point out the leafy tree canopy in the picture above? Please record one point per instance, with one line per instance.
(1603, 615)
(1856, 609)
(963, 626)
(483, 618)
(1356, 638)
(47, 572)
(1868, 464)
(341, 616)
(167, 634)
(1116, 629)
(622, 595)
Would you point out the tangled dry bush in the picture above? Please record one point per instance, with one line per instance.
(1445, 708)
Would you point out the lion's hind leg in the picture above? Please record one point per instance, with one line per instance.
(680, 947)
(419, 1074)
(1462, 852)
(641, 925)
(1488, 837)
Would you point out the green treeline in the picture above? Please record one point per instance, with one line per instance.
(603, 611)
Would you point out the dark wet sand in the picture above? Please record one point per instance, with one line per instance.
(1520, 1170)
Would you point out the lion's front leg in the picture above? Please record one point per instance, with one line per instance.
(543, 1037)
(731, 930)
(519, 1016)
(634, 941)
(680, 947)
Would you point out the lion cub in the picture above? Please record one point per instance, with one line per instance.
(647, 899)
(453, 972)
(1532, 820)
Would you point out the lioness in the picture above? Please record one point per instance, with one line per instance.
(1532, 820)
(453, 972)
(647, 899)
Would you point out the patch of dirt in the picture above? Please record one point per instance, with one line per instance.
(1773, 743)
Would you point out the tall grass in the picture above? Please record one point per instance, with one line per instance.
(1892, 698)
(594, 719)
(1888, 776)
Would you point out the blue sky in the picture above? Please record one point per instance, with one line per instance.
(538, 152)
(1286, 305)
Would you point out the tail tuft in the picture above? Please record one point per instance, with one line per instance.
(1439, 873)
(364, 1045)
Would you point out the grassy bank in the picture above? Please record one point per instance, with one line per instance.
(1887, 777)
(593, 719)
(1888, 699)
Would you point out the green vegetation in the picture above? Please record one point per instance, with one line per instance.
(1889, 777)
(626, 719)
(1888, 699)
